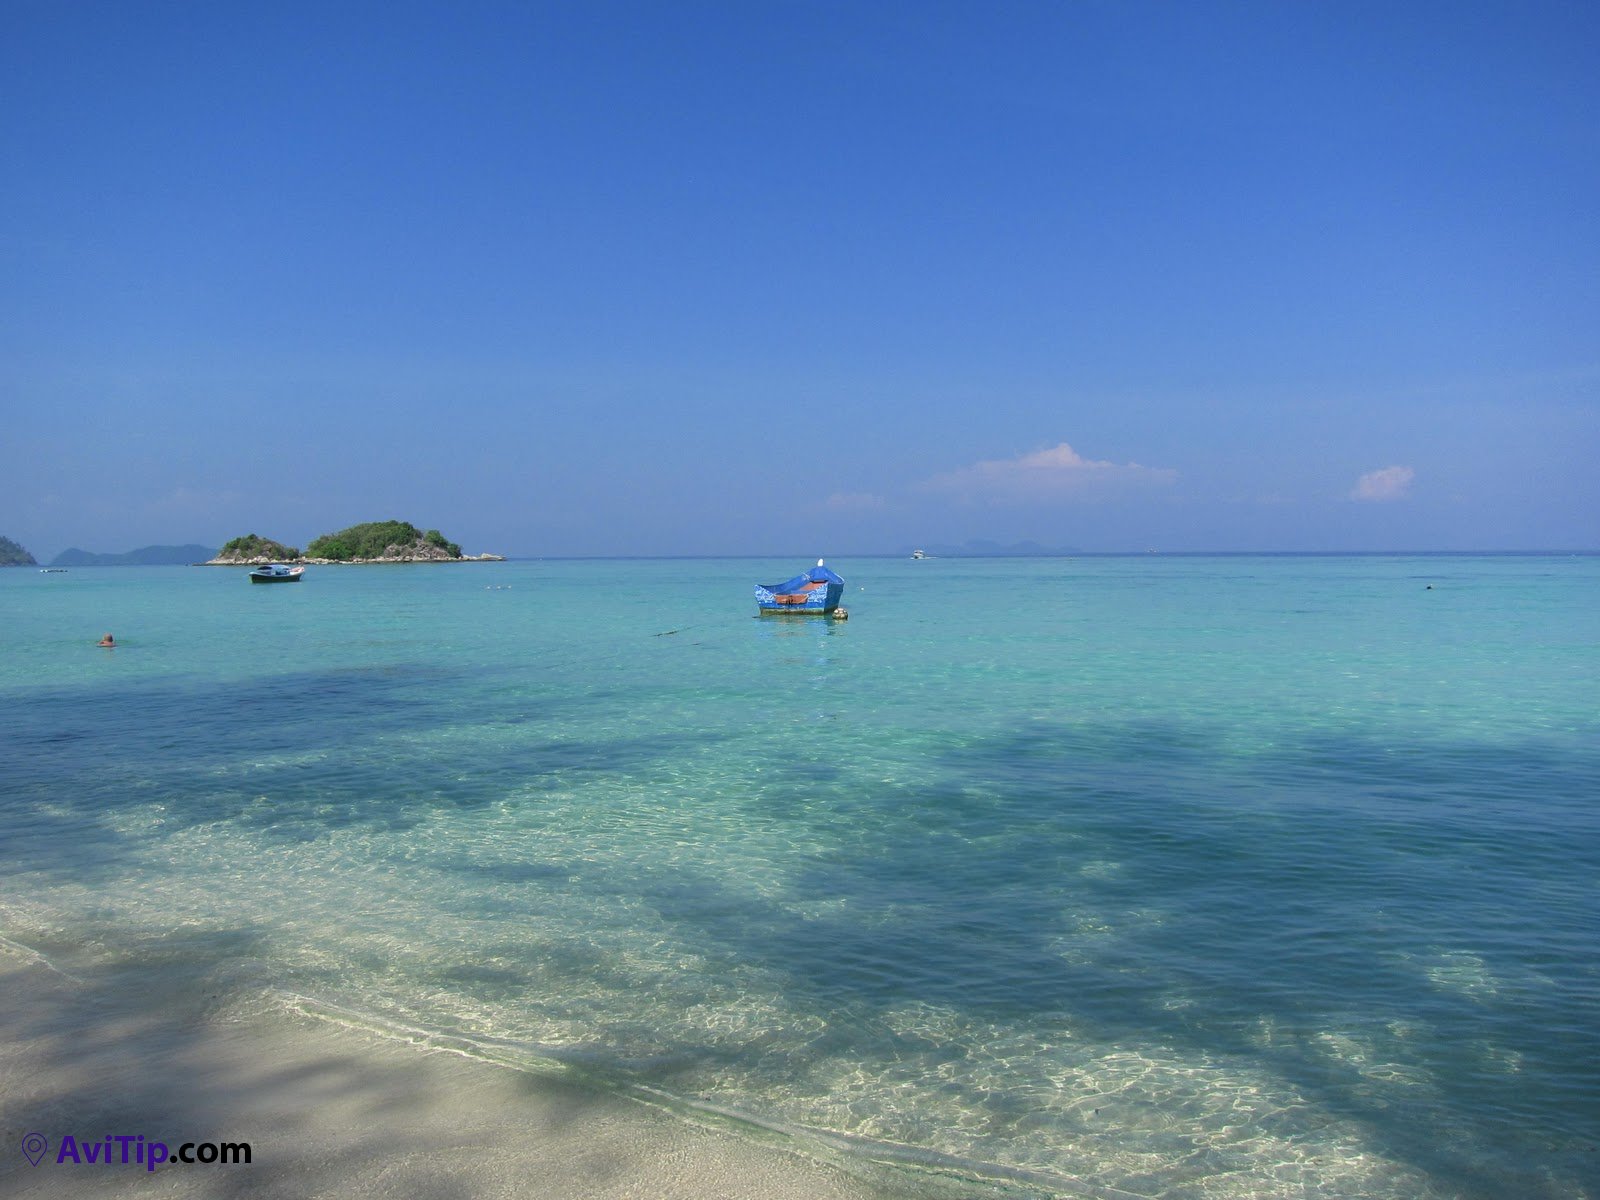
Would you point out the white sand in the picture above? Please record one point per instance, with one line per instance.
(330, 1111)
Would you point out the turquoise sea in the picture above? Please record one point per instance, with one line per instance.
(1179, 877)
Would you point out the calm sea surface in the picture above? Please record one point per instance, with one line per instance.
(1176, 877)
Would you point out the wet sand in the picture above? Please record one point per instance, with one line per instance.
(331, 1111)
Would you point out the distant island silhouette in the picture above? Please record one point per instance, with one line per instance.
(13, 555)
(146, 556)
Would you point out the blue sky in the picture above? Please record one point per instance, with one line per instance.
(802, 276)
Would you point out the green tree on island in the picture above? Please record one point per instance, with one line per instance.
(378, 539)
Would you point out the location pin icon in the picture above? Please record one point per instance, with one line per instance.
(34, 1146)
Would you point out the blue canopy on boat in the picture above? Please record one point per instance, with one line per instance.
(817, 574)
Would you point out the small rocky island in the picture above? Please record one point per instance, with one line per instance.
(373, 542)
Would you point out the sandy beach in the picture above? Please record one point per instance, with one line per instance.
(330, 1111)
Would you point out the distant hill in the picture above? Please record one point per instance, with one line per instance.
(147, 556)
(13, 555)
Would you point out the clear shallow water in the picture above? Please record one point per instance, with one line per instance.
(1195, 877)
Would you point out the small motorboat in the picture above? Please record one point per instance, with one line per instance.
(276, 573)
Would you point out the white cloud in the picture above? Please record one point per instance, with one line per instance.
(1387, 483)
(1054, 474)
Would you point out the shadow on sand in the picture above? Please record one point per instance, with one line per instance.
(184, 1053)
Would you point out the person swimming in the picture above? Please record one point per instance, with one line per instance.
(108, 640)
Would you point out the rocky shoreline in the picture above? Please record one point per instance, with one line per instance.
(409, 556)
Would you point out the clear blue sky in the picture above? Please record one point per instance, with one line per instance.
(809, 277)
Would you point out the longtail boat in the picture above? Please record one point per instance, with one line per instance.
(813, 593)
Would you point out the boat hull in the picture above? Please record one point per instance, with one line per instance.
(269, 577)
(818, 603)
(816, 592)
